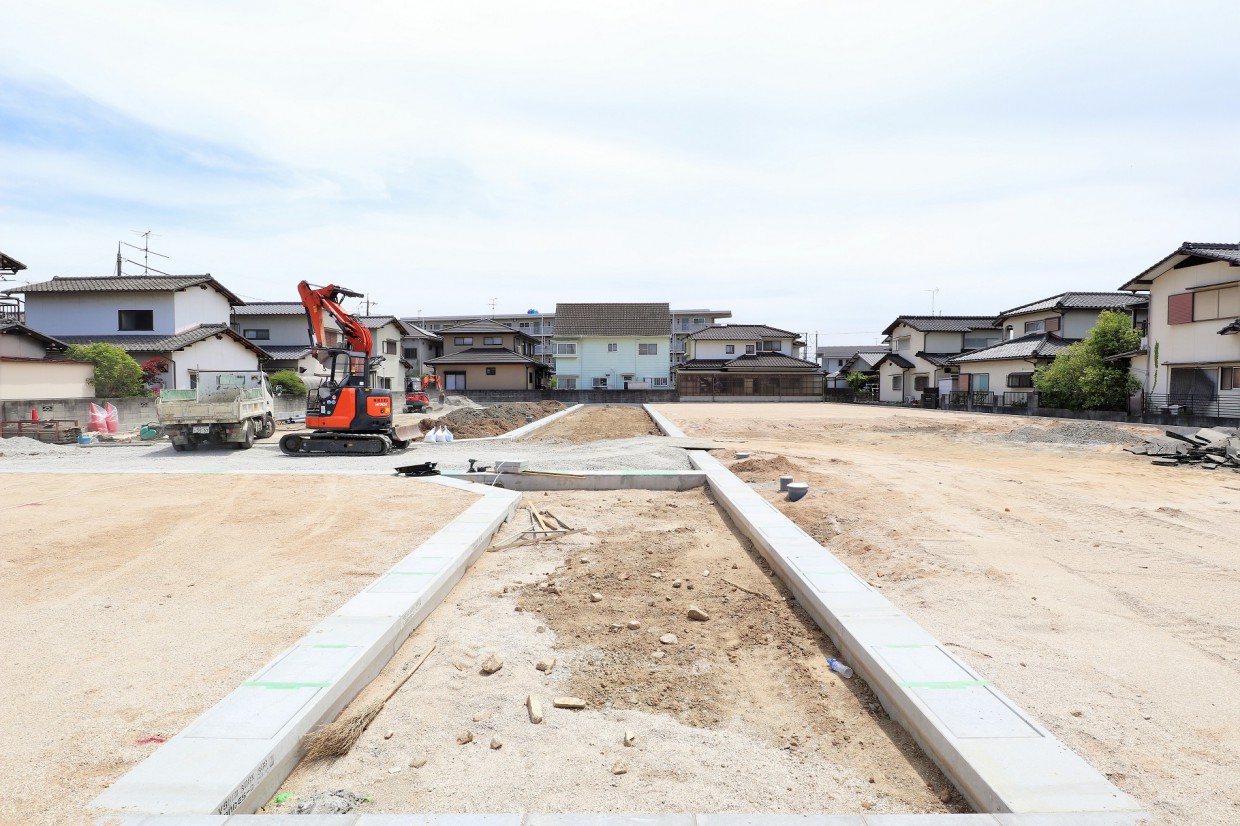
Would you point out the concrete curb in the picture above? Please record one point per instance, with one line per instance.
(588, 480)
(234, 757)
(664, 423)
(999, 758)
(586, 819)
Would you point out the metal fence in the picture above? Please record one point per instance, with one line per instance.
(1189, 404)
(979, 400)
(777, 386)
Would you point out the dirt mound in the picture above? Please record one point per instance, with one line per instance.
(1074, 433)
(766, 468)
(475, 423)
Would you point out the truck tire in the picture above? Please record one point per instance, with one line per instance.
(247, 437)
(268, 428)
(179, 448)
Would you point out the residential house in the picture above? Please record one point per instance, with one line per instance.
(921, 348)
(32, 366)
(542, 327)
(1070, 315)
(282, 329)
(837, 361)
(1192, 357)
(387, 332)
(747, 361)
(10, 306)
(613, 346)
(180, 321)
(419, 346)
(1007, 368)
(486, 355)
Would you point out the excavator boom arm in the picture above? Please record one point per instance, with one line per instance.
(320, 299)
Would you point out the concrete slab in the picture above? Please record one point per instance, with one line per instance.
(609, 820)
(234, 757)
(999, 758)
(779, 820)
(589, 480)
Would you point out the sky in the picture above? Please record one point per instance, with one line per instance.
(816, 166)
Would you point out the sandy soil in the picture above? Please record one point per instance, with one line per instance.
(1099, 592)
(595, 423)
(131, 604)
(495, 420)
(740, 714)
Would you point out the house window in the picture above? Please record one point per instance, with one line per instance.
(135, 320)
(523, 325)
(566, 349)
(729, 349)
(1229, 378)
(611, 348)
(567, 382)
(1020, 380)
(599, 383)
(1035, 326)
(411, 353)
(647, 349)
(490, 371)
(772, 346)
(903, 343)
(385, 383)
(660, 381)
(749, 348)
(897, 382)
(463, 340)
(1180, 308)
(257, 335)
(389, 347)
(976, 343)
(493, 341)
(921, 382)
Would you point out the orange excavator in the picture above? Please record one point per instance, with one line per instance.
(344, 413)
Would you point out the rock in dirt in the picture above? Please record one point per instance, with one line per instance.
(630, 737)
(497, 743)
(492, 664)
(545, 664)
(483, 715)
(619, 768)
(668, 639)
(534, 706)
(417, 762)
(387, 735)
(634, 625)
(676, 583)
(339, 802)
(464, 738)
(596, 597)
(698, 614)
(569, 702)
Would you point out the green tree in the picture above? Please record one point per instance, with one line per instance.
(857, 381)
(287, 382)
(117, 375)
(1080, 379)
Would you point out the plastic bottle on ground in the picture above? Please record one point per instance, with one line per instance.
(839, 668)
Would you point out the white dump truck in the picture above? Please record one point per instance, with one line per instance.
(223, 408)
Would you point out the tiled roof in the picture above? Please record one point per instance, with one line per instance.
(944, 323)
(1201, 249)
(848, 351)
(484, 355)
(612, 320)
(9, 326)
(270, 308)
(896, 359)
(937, 359)
(10, 264)
(156, 343)
(757, 361)
(374, 322)
(1034, 345)
(483, 325)
(418, 331)
(741, 332)
(704, 364)
(287, 351)
(125, 284)
(1079, 301)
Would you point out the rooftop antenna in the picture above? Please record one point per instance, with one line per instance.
(933, 292)
(492, 302)
(146, 251)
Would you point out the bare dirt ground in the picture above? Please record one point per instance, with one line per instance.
(740, 714)
(131, 604)
(496, 420)
(592, 424)
(1099, 592)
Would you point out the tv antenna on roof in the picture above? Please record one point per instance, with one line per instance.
(146, 252)
(933, 292)
(492, 302)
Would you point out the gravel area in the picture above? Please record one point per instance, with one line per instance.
(1075, 433)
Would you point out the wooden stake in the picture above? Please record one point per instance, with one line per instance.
(537, 539)
(743, 588)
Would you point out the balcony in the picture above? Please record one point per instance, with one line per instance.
(686, 326)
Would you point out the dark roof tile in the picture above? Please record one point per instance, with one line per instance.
(157, 343)
(741, 332)
(125, 284)
(573, 320)
(1078, 301)
(484, 355)
(1034, 345)
(944, 323)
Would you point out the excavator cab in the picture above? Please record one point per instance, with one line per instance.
(343, 402)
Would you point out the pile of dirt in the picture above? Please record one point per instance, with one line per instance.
(597, 423)
(25, 446)
(766, 468)
(1074, 433)
(475, 423)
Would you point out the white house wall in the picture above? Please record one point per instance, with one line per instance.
(285, 330)
(222, 353)
(1078, 323)
(21, 346)
(594, 361)
(196, 305)
(87, 314)
(45, 380)
(943, 343)
(1195, 342)
(390, 369)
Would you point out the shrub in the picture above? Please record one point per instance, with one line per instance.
(287, 383)
(117, 374)
(1080, 379)
(857, 381)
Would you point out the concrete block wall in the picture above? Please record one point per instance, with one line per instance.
(575, 396)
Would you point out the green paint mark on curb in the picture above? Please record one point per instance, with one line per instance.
(944, 684)
(283, 686)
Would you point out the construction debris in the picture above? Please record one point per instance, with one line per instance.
(545, 664)
(696, 613)
(1209, 447)
(569, 702)
(534, 706)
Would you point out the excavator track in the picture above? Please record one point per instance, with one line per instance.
(362, 444)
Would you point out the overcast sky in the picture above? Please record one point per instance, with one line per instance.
(817, 166)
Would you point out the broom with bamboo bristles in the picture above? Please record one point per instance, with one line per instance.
(336, 739)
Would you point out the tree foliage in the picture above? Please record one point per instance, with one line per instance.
(287, 382)
(1080, 379)
(117, 375)
(857, 381)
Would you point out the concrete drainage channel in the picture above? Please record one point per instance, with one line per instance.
(236, 755)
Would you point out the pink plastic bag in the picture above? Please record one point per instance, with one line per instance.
(98, 419)
(113, 418)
